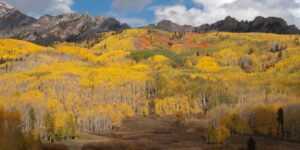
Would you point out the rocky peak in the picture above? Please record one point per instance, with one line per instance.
(230, 19)
(99, 18)
(273, 20)
(168, 25)
(6, 9)
(259, 19)
(4, 5)
(72, 16)
(11, 19)
(228, 24)
(259, 24)
(272, 25)
(50, 29)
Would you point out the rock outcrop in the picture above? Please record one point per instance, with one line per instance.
(50, 29)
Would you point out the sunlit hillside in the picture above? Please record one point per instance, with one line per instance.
(240, 83)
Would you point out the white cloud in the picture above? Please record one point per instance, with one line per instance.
(214, 10)
(130, 5)
(213, 3)
(37, 8)
(179, 14)
(295, 12)
(135, 22)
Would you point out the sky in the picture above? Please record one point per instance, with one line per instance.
(184, 12)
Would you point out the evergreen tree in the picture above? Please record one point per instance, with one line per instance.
(251, 144)
(280, 120)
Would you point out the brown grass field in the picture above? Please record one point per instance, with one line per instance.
(162, 134)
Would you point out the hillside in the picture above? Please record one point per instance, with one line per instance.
(229, 24)
(48, 29)
(259, 24)
(77, 27)
(237, 82)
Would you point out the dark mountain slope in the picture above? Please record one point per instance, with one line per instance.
(50, 29)
(259, 24)
(170, 26)
(11, 19)
(229, 24)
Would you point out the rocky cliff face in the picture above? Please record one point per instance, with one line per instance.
(11, 19)
(171, 26)
(259, 24)
(229, 24)
(49, 29)
(68, 27)
(76, 27)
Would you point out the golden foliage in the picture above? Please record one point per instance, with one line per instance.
(235, 79)
(172, 106)
(217, 135)
(208, 64)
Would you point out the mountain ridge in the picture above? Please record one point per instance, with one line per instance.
(259, 24)
(49, 29)
(11, 18)
(74, 27)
